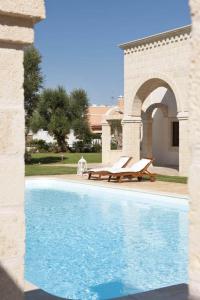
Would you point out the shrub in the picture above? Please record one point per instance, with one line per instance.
(80, 146)
(96, 148)
(27, 157)
(39, 145)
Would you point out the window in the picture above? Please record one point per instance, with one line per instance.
(175, 134)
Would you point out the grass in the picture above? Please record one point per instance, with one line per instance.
(176, 179)
(35, 170)
(68, 158)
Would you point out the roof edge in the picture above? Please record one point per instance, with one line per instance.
(165, 34)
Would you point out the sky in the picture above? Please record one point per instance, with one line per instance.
(79, 40)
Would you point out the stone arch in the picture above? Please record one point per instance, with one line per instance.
(158, 111)
(150, 83)
(151, 108)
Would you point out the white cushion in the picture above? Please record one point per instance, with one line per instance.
(101, 169)
(117, 165)
(120, 162)
(136, 167)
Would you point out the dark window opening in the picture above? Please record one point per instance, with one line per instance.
(175, 134)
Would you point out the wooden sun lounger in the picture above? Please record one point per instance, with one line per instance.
(130, 175)
(99, 173)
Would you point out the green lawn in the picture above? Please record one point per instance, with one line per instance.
(35, 170)
(69, 158)
(177, 179)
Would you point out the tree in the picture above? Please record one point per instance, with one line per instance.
(53, 114)
(79, 104)
(33, 81)
(57, 112)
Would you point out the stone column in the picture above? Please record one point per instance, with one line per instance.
(194, 134)
(106, 140)
(16, 31)
(132, 136)
(184, 150)
(147, 138)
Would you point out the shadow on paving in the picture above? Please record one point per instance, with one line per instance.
(40, 295)
(177, 292)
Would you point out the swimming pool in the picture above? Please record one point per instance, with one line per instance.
(90, 242)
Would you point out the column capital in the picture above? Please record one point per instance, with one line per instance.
(29, 9)
(17, 21)
(183, 115)
(131, 119)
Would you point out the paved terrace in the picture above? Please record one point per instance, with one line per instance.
(157, 186)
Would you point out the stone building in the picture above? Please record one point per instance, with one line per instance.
(155, 119)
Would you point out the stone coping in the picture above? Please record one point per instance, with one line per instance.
(185, 30)
(170, 189)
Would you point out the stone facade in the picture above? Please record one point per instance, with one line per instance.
(156, 75)
(194, 99)
(17, 19)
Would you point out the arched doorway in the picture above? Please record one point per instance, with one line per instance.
(160, 128)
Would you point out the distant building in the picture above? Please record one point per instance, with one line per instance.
(96, 114)
(45, 136)
(95, 117)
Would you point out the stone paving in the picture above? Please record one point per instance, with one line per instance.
(157, 186)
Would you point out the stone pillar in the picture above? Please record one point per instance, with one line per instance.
(132, 136)
(16, 31)
(194, 134)
(106, 140)
(184, 150)
(147, 138)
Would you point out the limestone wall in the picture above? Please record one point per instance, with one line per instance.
(165, 57)
(16, 30)
(194, 181)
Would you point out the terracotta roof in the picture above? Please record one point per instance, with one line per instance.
(96, 113)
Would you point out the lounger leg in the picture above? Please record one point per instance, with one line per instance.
(99, 176)
(120, 179)
(152, 178)
(139, 178)
(89, 176)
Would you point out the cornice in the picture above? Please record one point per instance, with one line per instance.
(157, 40)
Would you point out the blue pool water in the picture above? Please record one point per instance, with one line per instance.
(89, 242)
